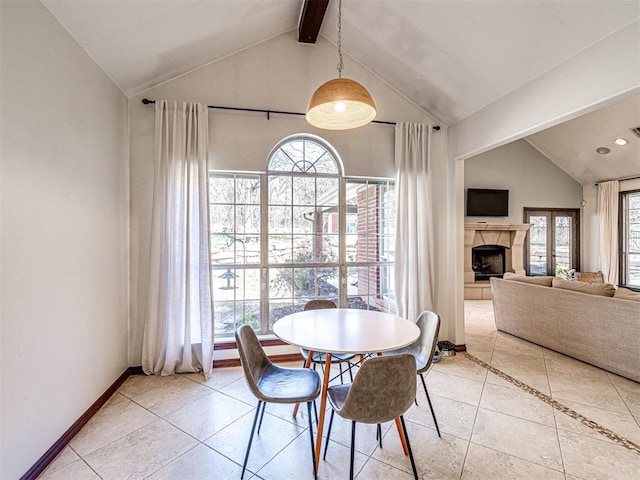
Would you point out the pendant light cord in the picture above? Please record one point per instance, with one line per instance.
(340, 64)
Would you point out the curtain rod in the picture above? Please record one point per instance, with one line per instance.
(146, 101)
(619, 179)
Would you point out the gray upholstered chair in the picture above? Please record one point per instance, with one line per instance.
(320, 357)
(383, 390)
(423, 349)
(274, 384)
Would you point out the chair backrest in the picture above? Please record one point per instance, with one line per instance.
(255, 362)
(383, 389)
(429, 324)
(319, 304)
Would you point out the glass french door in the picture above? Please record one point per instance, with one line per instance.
(553, 243)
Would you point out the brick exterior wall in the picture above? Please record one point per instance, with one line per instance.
(368, 246)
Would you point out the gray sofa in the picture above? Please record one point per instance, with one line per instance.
(599, 330)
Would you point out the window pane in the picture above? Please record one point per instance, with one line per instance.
(221, 188)
(236, 298)
(248, 191)
(248, 219)
(327, 191)
(306, 220)
(328, 283)
(330, 248)
(563, 242)
(224, 317)
(631, 239)
(279, 162)
(294, 151)
(538, 245)
(352, 247)
(304, 190)
(280, 283)
(248, 313)
(326, 164)
(247, 249)
(280, 248)
(303, 249)
(280, 190)
(280, 219)
(304, 282)
(222, 248)
(222, 219)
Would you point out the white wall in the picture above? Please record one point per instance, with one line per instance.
(531, 178)
(278, 74)
(64, 233)
(600, 75)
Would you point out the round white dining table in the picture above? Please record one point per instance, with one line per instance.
(344, 330)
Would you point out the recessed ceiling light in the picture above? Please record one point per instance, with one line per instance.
(621, 141)
(603, 150)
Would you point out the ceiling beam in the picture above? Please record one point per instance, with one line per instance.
(311, 20)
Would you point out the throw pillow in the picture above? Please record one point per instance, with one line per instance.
(627, 294)
(590, 277)
(603, 289)
(544, 281)
(566, 273)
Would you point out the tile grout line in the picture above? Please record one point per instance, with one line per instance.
(555, 420)
(634, 447)
(637, 420)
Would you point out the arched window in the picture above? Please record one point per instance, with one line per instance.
(304, 154)
(300, 231)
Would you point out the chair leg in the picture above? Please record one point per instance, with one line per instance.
(313, 449)
(350, 372)
(430, 406)
(326, 444)
(264, 406)
(379, 435)
(315, 410)
(253, 429)
(406, 437)
(353, 448)
(341, 379)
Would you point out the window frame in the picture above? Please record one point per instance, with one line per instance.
(622, 239)
(264, 329)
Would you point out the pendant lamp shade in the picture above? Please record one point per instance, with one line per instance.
(340, 104)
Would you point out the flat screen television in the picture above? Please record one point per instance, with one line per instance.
(483, 202)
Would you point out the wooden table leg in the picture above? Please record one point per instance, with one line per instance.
(307, 364)
(401, 435)
(323, 407)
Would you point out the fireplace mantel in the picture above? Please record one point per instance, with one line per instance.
(509, 235)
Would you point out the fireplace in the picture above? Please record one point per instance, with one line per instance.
(488, 261)
(508, 238)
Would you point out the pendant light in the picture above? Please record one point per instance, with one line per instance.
(341, 103)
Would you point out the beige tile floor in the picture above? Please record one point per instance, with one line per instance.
(182, 428)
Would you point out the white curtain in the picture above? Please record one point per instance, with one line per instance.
(178, 333)
(608, 199)
(414, 262)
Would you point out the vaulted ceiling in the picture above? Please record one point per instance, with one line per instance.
(452, 58)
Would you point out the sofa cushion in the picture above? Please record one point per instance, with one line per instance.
(603, 289)
(627, 294)
(544, 281)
